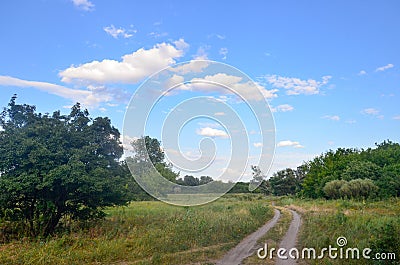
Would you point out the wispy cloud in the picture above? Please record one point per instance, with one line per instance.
(297, 86)
(246, 88)
(85, 5)
(223, 52)
(218, 36)
(384, 68)
(156, 34)
(289, 143)
(90, 98)
(372, 112)
(282, 108)
(331, 117)
(258, 144)
(119, 32)
(396, 117)
(211, 132)
(201, 53)
(362, 72)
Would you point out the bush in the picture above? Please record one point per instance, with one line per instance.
(355, 189)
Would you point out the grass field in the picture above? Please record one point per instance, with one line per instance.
(157, 233)
(149, 233)
(364, 224)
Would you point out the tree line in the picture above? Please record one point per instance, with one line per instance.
(55, 168)
(343, 173)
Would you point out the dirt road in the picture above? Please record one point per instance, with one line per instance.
(290, 239)
(246, 247)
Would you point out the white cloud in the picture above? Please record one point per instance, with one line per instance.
(248, 89)
(131, 69)
(194, 66)
(119, 32)
(89, 98)
(331, 117)
(383, 68)
(396, 117)
(282, 108)
(181, 44)
(362, 72)
(155, 34)
(219, 114)
(210, 124)
(289, 143)
(258, 144)
(211, 132)
(223, 52)
(174, 81)
(218, 36)
(296, 86)
(201, 53)
(85, 5)
(370, 111)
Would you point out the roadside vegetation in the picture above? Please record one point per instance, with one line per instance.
(148, 232)
(365, 224)
(68, 198)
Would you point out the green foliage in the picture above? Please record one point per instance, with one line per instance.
(324, 168)
(57, 166)
(381, 166)
(361, 170)
(133, 234)
(365, 224)
(332, 188)
(355, 189)
(284, 182)
(189, 180)
(387, 238)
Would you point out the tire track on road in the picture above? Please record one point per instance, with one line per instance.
(290, 239)
(246, 247)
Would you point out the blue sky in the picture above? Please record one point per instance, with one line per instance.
(331, 68)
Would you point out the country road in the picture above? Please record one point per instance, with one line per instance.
(248, 245)
(290, 239)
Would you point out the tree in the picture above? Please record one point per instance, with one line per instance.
(205, 180)
(147, 148)
(148, 163)
(52, 166)
(284, 182)
(259, 179)
(324, 168)
(361, 170)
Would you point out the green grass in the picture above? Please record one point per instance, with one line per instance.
(148, 233)
(374, 225)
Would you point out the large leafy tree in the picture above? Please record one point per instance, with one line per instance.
(147, 161)
(148, 149)
(284, 182)
(53, 166)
